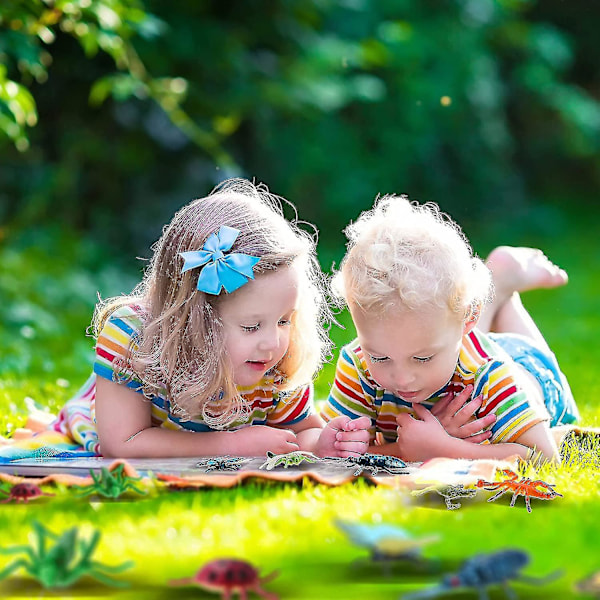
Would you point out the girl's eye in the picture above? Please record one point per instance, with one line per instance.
(378, 359)
(285, 322)
(251, 327)
(423, 359)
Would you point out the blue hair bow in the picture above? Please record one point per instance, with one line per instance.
(219, 270)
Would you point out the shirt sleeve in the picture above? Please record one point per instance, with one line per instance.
(504, 397)
(292, 407)
(118, 335)
(351, 393)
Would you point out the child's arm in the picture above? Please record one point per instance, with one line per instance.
(123, 422)
(424, 438)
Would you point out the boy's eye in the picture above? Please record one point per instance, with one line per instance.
(378, 359)
(423, 359)
(251, 327)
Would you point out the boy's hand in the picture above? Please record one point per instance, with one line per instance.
(255, 440)
(343, 437)
(455, 413)
(421, 438)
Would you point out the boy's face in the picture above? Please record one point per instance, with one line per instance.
(257, 321)
(410, 353)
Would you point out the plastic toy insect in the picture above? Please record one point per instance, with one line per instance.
(524, 487)
(221, 463)
(374, 463)
(291, 459)
(229, 575)
(386, 542)
(483, 571)
(59, 561)
(449, 493)
(590, 585)
(23, 492)
(110, 484)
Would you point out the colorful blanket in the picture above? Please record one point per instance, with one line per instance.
(45, 444)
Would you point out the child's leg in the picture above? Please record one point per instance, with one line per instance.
(517, 270)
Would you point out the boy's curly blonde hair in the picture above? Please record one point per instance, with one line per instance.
(181, 351)
(403, 255)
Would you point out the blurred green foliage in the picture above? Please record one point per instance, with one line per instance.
(129, 108)
(49, 283)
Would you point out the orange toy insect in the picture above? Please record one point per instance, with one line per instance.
(524, 487)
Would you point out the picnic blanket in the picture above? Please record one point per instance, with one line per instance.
(44, 444)
(44, 451)
(185, 473)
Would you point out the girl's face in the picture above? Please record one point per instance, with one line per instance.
(257, 321)
(410, 353)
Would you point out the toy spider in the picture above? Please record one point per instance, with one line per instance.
(519, 487)
(110, 484)
(59, 561)
(221, 463)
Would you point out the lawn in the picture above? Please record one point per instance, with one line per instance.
(48, 285)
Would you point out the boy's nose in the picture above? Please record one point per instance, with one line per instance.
(404, 381)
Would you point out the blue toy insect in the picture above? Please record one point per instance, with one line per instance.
(483, 571)
(386, 542)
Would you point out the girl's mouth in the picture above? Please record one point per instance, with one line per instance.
(257, 365)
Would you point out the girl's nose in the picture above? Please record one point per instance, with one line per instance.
(269, 341)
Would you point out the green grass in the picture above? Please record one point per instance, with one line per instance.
(48, 290)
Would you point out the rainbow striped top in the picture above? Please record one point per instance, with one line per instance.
(267, 405)
(481, 363)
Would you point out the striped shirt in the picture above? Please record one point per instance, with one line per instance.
(267, 405)
(481, 363)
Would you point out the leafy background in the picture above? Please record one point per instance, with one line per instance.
(114, 113)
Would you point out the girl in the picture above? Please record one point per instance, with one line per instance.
(214, 351)
(416, 292)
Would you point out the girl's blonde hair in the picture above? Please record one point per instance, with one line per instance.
(180, 350)
(408, 256)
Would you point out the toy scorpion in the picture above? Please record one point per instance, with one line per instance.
(374, 463)
(482, 571)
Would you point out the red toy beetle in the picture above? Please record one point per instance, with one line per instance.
(23, 492)
(229, 575)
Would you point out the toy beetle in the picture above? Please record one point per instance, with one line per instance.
(373, 463)
(229, 575)
(483, 571)
(23, 492)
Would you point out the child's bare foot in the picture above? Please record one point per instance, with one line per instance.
(522, 269)
(516, 270)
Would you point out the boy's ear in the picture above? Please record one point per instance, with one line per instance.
(472, 317)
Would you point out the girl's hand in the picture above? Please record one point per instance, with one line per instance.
(255, 440)
(455, 413)
(343, 437)
(421, 438)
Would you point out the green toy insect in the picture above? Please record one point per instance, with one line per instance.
(291, 459)
(110, 484)
(59, 561)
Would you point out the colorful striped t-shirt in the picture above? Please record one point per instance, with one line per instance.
(481, 363)
(266, 404)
